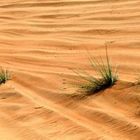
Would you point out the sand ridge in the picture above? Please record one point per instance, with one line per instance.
(41, 42)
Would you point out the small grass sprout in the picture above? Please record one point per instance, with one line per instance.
(4, 76)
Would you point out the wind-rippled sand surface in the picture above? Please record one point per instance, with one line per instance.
(41, 41)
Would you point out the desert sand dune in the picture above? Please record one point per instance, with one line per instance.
(41, 41)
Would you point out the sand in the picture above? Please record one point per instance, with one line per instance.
(41, 42)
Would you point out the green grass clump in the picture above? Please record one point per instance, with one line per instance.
(4, 76)
(107, 77)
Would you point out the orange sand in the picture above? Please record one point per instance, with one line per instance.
(40, 42)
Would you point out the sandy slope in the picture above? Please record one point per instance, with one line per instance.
(40, 42)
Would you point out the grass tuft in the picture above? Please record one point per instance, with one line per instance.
(4, 76)
(107, 77)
